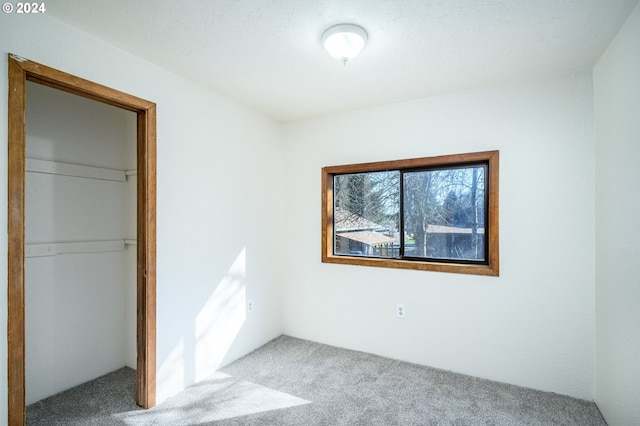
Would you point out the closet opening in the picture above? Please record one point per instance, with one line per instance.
(143, 242)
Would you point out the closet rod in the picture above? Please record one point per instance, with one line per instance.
(75, 170)
(53, 249)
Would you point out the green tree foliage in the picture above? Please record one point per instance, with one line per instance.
(372, 196)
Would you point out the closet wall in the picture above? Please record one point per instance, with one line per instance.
(80, 248)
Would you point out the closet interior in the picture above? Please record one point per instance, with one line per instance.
(80, 240)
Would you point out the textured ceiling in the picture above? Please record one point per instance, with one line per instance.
(266, 54)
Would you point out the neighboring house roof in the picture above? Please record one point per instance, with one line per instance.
(368, 237)
(441, 229)
(350, 225)
(346, 221)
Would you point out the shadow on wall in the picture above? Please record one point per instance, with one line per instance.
(215, 328)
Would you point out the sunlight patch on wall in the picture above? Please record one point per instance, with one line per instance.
(168, 377)
(207, 337)
(220, 320)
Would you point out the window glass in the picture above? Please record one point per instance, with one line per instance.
(444, 213)
(367, 214)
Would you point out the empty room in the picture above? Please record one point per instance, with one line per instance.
(389, 212)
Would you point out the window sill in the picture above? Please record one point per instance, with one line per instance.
(488, 270)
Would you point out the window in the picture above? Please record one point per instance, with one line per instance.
(434, 213)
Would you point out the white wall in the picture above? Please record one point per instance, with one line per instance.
(533, 325)
(617, 130)
(219, 195)
(79, 323)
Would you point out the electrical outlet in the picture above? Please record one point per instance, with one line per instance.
(400, 312)
(250, 306)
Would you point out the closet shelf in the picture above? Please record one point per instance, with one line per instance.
(76, 170)
(53, 249)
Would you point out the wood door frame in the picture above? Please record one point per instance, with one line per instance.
(20, 71)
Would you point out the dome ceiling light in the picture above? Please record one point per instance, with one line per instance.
(344, 41)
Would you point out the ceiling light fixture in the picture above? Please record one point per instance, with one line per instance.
(344, 41)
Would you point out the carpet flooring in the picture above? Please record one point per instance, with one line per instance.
(291, 381)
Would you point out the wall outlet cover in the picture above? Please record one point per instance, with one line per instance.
(400, 311)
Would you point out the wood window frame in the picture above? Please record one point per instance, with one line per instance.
(490, 158)
(20, 71)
